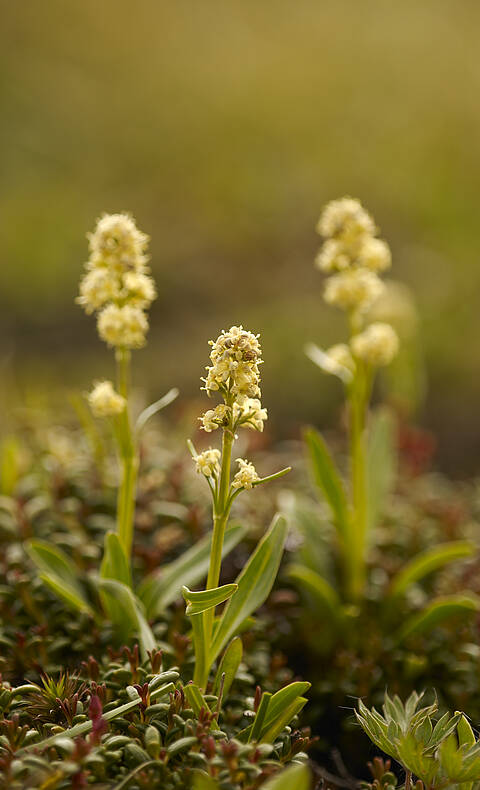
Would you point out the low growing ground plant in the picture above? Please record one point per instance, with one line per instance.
(434, 752)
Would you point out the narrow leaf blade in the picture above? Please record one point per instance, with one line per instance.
(254, 585)
(202, 600)
(328, 480)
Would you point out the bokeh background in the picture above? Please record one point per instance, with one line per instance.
(224, 127)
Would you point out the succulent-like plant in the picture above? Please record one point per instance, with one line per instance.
(440, 753)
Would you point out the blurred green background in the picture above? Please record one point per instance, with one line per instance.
(224, 127)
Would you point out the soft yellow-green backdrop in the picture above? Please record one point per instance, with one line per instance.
(224, 127)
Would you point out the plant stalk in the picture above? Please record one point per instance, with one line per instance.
(356, 579)
(128, 459)
(220, 518)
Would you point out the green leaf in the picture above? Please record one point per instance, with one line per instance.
(283, 698)
(257, 726)
(157, 591)
(282, 720)
(66, 594)
(324, 595)
(182, 744)
(254, 585)
(115, 564)
(9, 465)
(59, 573)
(154, 408)
(429, 561)
(295, 777)
(282, 701)
(132, 614)
(328, 480)
(195, 698)
(381, 464)
(202, 781)
(201, 600)
(435, 613)
(228, 666)
(465, 732)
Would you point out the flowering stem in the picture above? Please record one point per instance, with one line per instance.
(221, 510)
(359, 396)
(357, 451)
(128, 457)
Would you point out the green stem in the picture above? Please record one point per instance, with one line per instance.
(358, 483)
(220, 519)
(128, 458)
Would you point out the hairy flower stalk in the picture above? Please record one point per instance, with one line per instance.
(118, 288)
(234, 375)
(354, 258)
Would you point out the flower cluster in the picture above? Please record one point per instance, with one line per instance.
(377, 345)
(246, 475)
(117, 284)
(208, 462)
(352, 255)
(104, 401)
(234, 373)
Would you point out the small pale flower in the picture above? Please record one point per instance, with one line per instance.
(377, 345)
(353, 289)
(333, 257)
(375, 255)
(213, 418)
(208, 462)
(117, 243)
(105, 401)
(347, 219)
(235, 356)
(97, 288)
(140, 289)
(123, 327)
(246, 475)
(250, 414)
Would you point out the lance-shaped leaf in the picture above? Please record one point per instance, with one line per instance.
(115, 564)
(381, 464)
(295, 777)
(154, 408)
(132, 615)
(59, 573)
(428, 562)
(277, 711)
(228, 666)
(328, 480)
(195, 698)
(284, 717)
(157, 591)
(201, 600)
(441, 609)
(254, 585)
(327, 364)
(325, 597)
(257, 726)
